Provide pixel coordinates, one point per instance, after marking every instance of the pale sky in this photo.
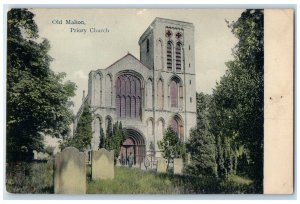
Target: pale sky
(77, 54)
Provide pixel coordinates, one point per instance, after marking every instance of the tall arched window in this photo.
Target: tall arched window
(169, 55)
(109, 96)
(160, 94)
(149, 93)
(174, 93)
(150, 126)
(97, 90)
(160, 55)
(160, 129)
(128, 96)
(177, 126)
(178, 57)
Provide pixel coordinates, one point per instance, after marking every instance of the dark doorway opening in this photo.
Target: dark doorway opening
(134, 143)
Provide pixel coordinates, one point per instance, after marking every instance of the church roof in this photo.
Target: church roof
(128, 55)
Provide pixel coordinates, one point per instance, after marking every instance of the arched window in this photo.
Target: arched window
(160, 55)
(160, 129)
(128, 107)
(178, 57)
(123, 106)
(149, 93)
(169, 55)
(177, 126)
(109, 96)
(174, 94)
(118, 105)
(97, 90)
(128, 96)
(150, 126)
(160, 94)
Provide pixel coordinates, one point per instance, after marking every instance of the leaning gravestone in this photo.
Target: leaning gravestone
(70, 172)
(103, 164)
(178, 166)
(161, 165)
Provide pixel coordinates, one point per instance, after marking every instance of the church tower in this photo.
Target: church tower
(167, 47)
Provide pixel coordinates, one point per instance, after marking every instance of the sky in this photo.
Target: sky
(77, 53)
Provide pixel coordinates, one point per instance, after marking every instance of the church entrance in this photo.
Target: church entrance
(134, 143)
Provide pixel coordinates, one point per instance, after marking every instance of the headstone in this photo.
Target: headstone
(35, 154)
(178, 166)
(161, 165)
(189, 158)
(70, 172)
(103, 164)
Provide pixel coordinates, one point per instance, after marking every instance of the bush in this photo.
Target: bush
(35, 177)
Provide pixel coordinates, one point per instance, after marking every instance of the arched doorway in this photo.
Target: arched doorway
(134, 143)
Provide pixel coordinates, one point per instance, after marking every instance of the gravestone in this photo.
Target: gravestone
(189, 158)
(161, 165)
(70, 172)
(178, 166)
(103, 164)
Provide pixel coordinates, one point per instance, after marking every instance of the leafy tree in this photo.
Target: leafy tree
(171, 146)
(102, 139)
(202, 142)
(109, 136)
(238, 97)
(38, 100)
(115, 137)
(118, 138)
(83, 133)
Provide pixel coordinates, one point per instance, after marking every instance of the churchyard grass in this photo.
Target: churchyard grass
(136, 181)
(37, 177)
(30, 177)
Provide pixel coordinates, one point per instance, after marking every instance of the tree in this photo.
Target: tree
(115, 137)
(83, 134)
(202, 142)
(102, 139)
(109, 136)
(238, 97)
(171, 146)
(38, 100)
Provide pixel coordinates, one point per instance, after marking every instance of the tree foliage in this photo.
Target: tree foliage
(171, 146)
(102, 139)
(114, 139)
(38, 100)
(201, 144)
(229, 132)
(238, 99)
(83, 135)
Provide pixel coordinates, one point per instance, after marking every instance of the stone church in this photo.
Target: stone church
(148, 94)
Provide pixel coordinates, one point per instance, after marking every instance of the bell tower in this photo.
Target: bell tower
(167, 47)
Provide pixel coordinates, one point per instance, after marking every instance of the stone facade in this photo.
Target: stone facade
(149, 94)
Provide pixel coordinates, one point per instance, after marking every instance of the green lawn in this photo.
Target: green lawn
(38, 178)
(136, 181)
